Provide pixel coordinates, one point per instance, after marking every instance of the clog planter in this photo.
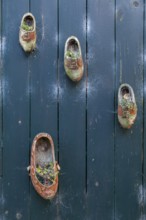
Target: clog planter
(127, 108)
(27, 33)
(44, 169)
(73, 62)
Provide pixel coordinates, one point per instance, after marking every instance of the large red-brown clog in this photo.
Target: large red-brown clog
(44, 169)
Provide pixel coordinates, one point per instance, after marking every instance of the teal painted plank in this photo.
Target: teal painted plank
(15, 115)
(100, 110)
(129, 143)
(72, 116)
(43, 77)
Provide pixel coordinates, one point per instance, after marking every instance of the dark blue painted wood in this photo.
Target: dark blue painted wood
(15, 115)
(1, 149)
(72, 123)
(1, 161)
(100, 110)
(143, 189)
(1, 199)
(129, 54)
(102, 165)
(43, 81)
(1, 60)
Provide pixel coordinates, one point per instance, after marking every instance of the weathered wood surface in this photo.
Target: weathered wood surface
(100, 117)
(129, 143)
(72, 118)
(102, 165)
(43, 92)
(15, 114)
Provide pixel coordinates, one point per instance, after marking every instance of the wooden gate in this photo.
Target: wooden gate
(102, 165)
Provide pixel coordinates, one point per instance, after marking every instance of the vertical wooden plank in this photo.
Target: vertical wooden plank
(43, 76)
(1, 150)
(144, 127)
(129, 54)
(0, 75)
(100, 110)
(72, 117)
(15, 115)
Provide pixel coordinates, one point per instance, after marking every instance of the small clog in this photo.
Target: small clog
(127, 108)
(27, 33)
(73, 62)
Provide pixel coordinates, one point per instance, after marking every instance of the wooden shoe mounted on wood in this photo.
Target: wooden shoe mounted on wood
(44, 169)
(127, 108)
(27, 33)
(73, 62)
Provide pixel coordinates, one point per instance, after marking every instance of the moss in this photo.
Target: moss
(47, 172)
(69, 72)
(127, 104)
(71, 54)
(26, 27)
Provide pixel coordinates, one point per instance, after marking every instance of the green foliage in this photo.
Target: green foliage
(26, 27)
(72, 54)
(69, 72)
(47, 172)
(126, 104)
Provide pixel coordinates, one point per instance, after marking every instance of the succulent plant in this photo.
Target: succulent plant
(46, 172)
(26, 27)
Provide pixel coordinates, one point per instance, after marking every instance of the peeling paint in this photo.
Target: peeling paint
(121, 71)
(89, 26)
(18, 215)
(91, 89)
(19, 122)
(143, 217)
(96, 183)
(43, 29)
(3, 44)
(84, 25)
(117, 216)
(140, 195)
(5, 86)
(54, 91)
(2, 200)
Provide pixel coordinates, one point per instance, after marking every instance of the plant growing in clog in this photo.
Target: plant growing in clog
(127, 108)
(73, 62)
(44, 169)
(27, 33)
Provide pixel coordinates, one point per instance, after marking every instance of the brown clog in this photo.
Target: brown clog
(44, 169)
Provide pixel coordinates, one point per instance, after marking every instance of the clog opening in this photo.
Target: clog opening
(28, 20)
(43, 151)
(28, 23)
(125, 90)
(44, 162)
(73, 49)
(73, 45)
